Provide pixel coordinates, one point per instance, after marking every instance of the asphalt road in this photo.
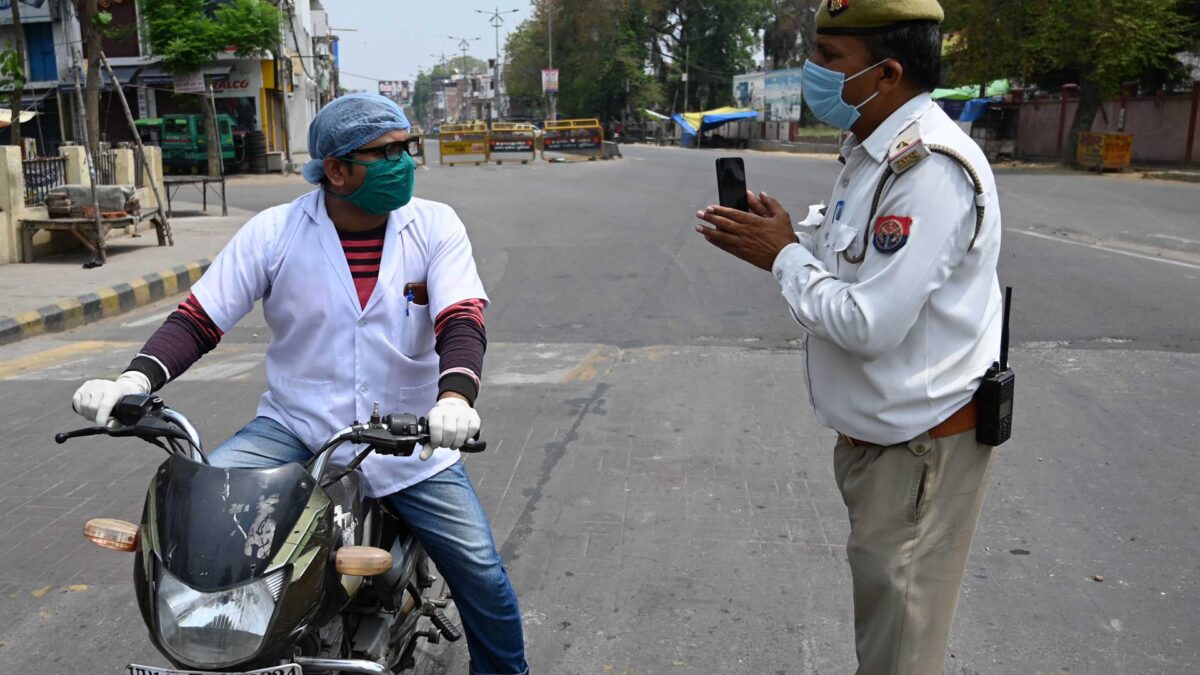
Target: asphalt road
(658, 486)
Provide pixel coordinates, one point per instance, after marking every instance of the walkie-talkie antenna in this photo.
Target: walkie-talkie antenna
(1004, 329)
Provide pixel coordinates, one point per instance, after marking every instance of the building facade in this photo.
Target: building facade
(277, 94)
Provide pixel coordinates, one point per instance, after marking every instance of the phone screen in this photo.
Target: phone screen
(731, 183)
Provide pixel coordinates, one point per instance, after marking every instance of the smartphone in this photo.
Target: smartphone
(731, 183)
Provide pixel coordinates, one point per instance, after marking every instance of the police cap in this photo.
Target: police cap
(864, 17)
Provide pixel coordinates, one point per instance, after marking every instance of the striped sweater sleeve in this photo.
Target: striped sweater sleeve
(186, 335)
(461, 343)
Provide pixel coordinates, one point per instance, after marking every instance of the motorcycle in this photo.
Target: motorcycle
(287, 570)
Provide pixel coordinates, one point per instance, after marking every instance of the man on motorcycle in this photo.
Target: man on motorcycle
(371, 295)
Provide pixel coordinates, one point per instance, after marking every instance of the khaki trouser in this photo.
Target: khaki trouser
(913, 509)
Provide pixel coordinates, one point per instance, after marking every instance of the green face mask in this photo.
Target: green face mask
(387, 187)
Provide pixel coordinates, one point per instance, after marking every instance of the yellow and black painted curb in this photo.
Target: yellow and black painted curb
(71, 313)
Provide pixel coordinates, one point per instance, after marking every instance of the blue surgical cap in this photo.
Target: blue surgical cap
(346, 124)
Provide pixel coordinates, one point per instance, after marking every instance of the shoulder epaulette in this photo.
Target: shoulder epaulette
(907, 149)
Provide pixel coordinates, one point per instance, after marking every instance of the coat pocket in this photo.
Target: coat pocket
(416, 330)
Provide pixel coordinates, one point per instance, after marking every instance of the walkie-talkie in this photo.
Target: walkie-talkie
(994, 400)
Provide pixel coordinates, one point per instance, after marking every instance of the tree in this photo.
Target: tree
(12, 67)
(188, 34)
(1100, 44)
(788, 36)
(711, 41)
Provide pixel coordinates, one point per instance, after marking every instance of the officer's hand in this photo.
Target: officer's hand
(756, 236)
(451, 422)
(95, 398)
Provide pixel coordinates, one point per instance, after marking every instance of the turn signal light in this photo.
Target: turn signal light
(362, 561)
(117, 535)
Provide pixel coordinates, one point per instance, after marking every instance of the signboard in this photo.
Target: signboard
(1101, 151)
(388, 88)
(192, 83)
(31, 11)
(748, 91)
(782, 101)
(550, 80)
(405, 92)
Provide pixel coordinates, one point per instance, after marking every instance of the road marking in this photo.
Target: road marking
(587, 369)
(1181, 240)
(155, 318)
(56, 357)
(1106, 249)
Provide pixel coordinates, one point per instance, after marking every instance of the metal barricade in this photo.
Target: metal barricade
(514, 141)
(573, 140)
(470, 140)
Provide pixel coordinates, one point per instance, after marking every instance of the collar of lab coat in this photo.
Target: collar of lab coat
(880, 140)
(313, 205)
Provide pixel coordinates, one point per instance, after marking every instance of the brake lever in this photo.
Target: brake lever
(65, 436)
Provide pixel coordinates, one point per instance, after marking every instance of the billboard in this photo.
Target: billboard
(31, 11)
(550, 80)
(405, 92)
(775, 94)
(388, 88)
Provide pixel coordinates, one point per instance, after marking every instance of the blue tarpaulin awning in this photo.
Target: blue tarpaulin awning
(708, 120)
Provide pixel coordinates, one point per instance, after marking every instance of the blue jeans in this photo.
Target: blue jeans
(444, 513)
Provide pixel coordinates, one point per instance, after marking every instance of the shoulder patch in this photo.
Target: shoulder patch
(891, 233)
(907, 149)
(838, 6)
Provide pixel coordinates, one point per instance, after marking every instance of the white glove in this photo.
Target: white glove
(96, 398)
(451, 422)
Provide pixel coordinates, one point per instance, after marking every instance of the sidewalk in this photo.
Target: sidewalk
(56, 293)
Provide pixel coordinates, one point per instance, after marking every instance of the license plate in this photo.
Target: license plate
(289, 669)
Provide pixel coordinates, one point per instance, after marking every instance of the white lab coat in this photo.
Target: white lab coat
(330, 359)
(898, 342)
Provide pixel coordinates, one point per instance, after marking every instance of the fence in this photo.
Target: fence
(41, 176)
(106, 167)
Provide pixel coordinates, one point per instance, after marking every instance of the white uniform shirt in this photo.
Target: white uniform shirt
(330, 359)
(900, 341)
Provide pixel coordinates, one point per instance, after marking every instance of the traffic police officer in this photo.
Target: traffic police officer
(894, 282)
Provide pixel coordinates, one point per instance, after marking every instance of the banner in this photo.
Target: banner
(192, 83)
(550, 80)
(774, 94)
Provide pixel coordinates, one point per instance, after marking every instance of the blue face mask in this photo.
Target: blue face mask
(823, 90)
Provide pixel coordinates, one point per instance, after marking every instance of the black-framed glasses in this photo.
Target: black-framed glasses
(392, 151)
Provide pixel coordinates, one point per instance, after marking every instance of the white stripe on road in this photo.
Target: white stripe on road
(1106, 249)
(154, 318)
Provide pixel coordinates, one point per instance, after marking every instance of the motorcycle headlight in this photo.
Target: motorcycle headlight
(212, 629)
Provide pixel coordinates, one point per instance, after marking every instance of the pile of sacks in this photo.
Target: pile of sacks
(75, 201)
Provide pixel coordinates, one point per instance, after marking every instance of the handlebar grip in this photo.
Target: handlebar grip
(473, 446)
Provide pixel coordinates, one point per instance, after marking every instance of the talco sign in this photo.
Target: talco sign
(231, 85)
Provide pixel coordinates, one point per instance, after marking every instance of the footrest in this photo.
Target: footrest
(445, 626)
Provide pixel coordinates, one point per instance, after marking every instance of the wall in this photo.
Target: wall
(1159, 127)
(12, 198)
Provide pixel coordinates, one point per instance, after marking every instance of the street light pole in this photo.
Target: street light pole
(550, 54)
(496, 20)
(464, 44)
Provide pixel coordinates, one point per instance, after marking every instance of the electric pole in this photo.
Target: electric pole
(496, 19)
